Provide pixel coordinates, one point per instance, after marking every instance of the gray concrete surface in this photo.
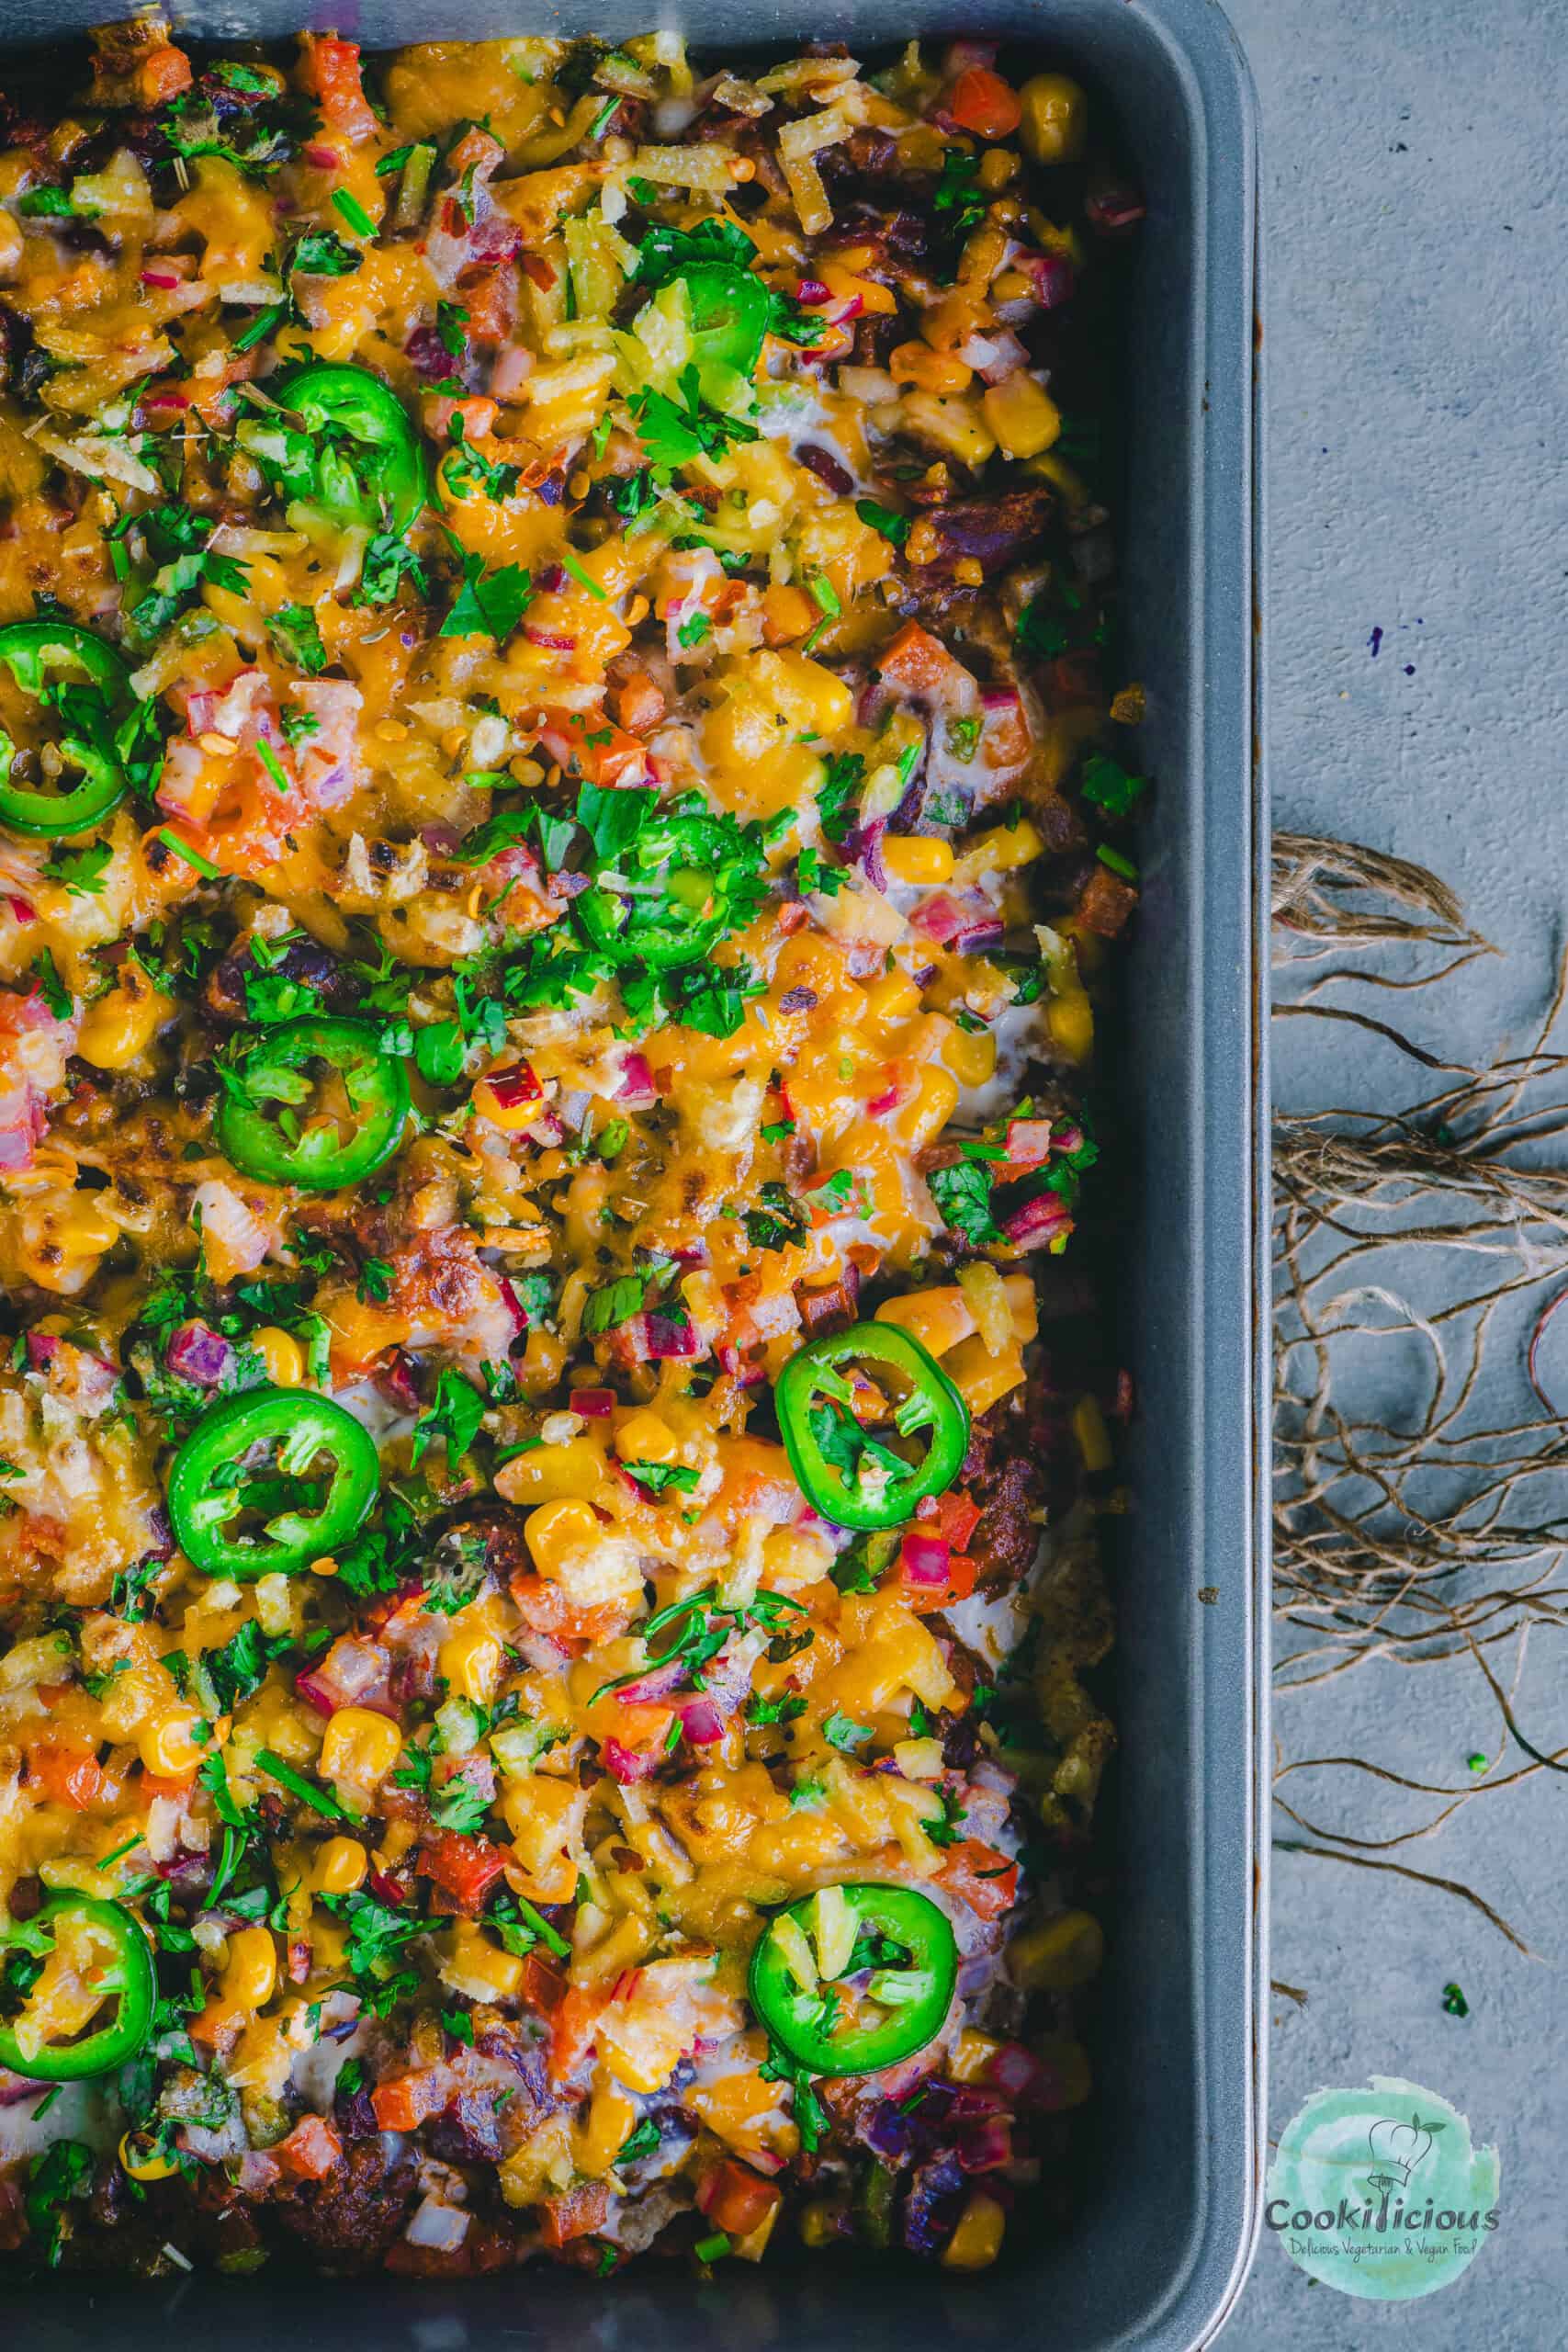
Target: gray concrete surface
(1416, 314)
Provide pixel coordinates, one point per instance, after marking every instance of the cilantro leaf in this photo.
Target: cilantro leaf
(962, 1194)
(1109, 786)
(489, 603)
(455, 1414)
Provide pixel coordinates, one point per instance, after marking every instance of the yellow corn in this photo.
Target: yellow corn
(360, 1747)
(1001, 851)
(922, 1120)
(844, 285)
(820, 2222)
(511, 1117)
(933, 371)
(168, 1745)
(892, 999)
(939, 1317)
(972, 2055)
(644, 1437)
(976, 2242)
(558, 1531)
(1024, 418)
(958, 427)
(119, 1029)
(1094, 1440)
(610, 2122)
(548, 1473)
(479, 1968)
(1056, 116)
(281, 1353)
(1059, 1955)
(472, 1660)
(971, 1056)
(982, 1378)
(139, 2158)
(918, 857)
(341, 1866)
(252, 1970)
(1070, 1019)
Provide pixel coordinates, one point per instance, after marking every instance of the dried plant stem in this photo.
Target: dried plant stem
(1412, 1248)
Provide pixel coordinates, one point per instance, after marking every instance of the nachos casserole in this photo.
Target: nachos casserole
(559, 826)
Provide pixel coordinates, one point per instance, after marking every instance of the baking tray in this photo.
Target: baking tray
(1171, 2193)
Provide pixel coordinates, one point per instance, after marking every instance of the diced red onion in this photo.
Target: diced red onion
(197, 1353)
(322, 159)
(637, 1091)
(735, 1366)
(1051, 277)
(657, 1684)
(923, 1559)
(669, 1341)
(550, 640)
(165, 280)
(1029, 1142)
(626, 1764)
(994, 356)
(552, 580)
(594, 1404)
(511, 1300)
(43, 1348)
(811, 291)
(352, 1674)
(22, 909)
(702, 1722)
(1037, 1222)
(515, 1087)
(987, 2144)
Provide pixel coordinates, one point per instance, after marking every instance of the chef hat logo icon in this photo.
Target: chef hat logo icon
(1398, 2148)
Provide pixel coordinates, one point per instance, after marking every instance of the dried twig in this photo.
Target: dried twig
(1437, 1534)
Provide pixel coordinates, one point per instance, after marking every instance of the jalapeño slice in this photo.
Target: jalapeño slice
(358, 458)
(313, 1102)
(678, 890)
(240, 1512)
(855, 1978)
(844, 1470)
(58, 1972)
(86, 684)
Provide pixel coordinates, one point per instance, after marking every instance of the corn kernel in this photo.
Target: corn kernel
(976, 2242)
(820, 2222)
(1059, 1955)
(972, 2055)
(1001, 851)
(955, 426)
(1094, 1440)
(119, 1029)
(557, 1532)
(1055, 117)
(922, 1120)
(168, 1745)
(981, 1378)
(479, 1968)
(1023, 415)
(341, 1866)
(139, 2156)
(644, 1437)
(938, 1318)
(1070, 1019)
(360, 1747)
(933, 371)
(971, 1056)
(610, 2122)
(281, 1353)
(252, 1971)
(473, 1659)
(892, 999)
(919, 1760)
(917, 858)
(509, 1117)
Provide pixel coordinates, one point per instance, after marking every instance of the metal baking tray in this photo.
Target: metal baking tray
(1170, 2200)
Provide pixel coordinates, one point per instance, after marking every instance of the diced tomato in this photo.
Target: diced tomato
(465, 1867)
(70, 1776)
(544, 1986)
(982, 102)
(981, 1877)
(313, 2150)
(546, 1609)
(953, 1516)
(922, 663)
(162, 75)
(588, 743)
(329, 71)
(408, 2100)
(572, 2029)
(175, 1790)
(734, 2199)
(577, 2214)
(640, 703)
(960, 1584)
